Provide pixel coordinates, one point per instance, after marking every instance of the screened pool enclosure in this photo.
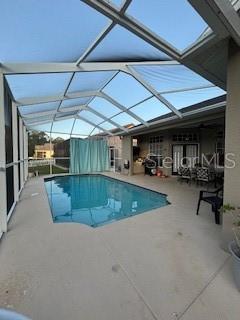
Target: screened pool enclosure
(82, 78)
(85, 68)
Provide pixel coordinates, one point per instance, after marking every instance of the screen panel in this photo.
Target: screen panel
(65, 114)
(170, 77)
(150, 109)
(38, 85)
(184, 99)
(41, 107)
(91, 116)
(97, 131)
(122, 45)
(104, 107)
(69, 103)
(126, 90)
(125, 120)
(108, 126)
(47, 31)
(8, 128)
(10, 187)
(82, 128)
(63, 126)
(45, 127)
(89, 81)
(39, 118)
(175, 21)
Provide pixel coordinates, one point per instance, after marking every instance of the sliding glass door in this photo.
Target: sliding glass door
(184, 154)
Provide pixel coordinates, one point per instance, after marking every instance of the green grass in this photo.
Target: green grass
(43, 170)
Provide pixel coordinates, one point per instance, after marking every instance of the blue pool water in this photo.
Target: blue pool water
(96, 200)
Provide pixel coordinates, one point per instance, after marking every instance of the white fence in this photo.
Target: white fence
(41, 162)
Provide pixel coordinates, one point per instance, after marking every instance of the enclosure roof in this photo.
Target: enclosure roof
(195, 112)
(215, 102)
(79, 68)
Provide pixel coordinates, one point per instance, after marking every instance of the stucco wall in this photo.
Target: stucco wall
(207, 141)
(232, 175)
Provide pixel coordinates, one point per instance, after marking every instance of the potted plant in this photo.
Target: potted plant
(234, 246)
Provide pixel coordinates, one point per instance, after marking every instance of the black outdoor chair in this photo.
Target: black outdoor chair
(215, 199)
(149, 165)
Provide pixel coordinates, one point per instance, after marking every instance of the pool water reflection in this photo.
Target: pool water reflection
(96, 200)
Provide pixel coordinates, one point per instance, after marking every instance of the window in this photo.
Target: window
(156, 149)
(135, 142)
(156, 139)
(185, 137)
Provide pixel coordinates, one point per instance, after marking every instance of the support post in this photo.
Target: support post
(21, 152)
(25, 152)
(50, 143)
(232, 136)
(3, 194)
(127, 155)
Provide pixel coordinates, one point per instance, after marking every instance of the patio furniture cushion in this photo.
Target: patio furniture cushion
(204, 174)
(186, 172)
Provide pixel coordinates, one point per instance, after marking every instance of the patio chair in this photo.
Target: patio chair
(204, 174)
(215, 199)
(179, 172)
(184, 173)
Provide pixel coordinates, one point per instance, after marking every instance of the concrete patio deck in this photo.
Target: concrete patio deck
(164, 264)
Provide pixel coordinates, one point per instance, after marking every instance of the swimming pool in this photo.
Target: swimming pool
(96, 200)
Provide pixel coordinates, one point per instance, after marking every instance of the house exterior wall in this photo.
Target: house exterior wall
(232, 174)
(115, 142)
(207, 138)
(43, 151)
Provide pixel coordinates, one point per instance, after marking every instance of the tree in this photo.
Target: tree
(36, 138)
(58, 139)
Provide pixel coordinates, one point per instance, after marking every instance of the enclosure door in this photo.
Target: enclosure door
(112, 158)
(177, 157)
(115, 160)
